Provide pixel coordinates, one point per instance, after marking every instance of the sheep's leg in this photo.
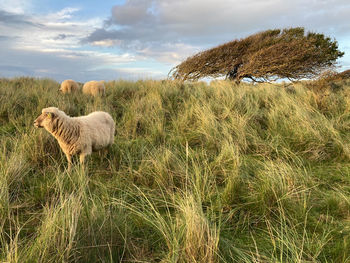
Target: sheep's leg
(82, 158)
(83, 154)
(69, 159)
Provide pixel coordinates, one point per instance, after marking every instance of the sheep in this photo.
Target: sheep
(94, 88)
(78, 135)
(68, 86)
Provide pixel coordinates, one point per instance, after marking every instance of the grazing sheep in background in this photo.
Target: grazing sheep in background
(78, 135)
(94, 88)
(68, 86)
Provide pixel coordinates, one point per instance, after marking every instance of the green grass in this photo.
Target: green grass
(198, 173)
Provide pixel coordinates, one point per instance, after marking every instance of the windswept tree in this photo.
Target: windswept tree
(265, 56)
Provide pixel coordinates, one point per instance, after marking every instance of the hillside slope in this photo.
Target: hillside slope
(198, 173)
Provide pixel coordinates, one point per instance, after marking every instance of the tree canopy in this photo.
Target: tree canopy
(269, 55)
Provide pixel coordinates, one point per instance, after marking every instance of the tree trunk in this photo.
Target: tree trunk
(233, 74)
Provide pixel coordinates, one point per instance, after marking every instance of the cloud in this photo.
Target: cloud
(63, 64)
(16, 6)
(7, 18)
(63, 36)
(65, 13)
(4, 38)
(146, 38)
(134, 13)
(54, 48)
(53, 30)
(11, 71)
(161, 27)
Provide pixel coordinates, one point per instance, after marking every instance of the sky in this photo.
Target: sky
(144, 39)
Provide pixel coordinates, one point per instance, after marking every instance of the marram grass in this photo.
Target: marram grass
(198, 173)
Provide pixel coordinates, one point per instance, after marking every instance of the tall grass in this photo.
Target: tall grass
(198, 173)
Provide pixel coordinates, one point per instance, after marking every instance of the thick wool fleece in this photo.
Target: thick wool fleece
(78, 135)
(68, 86)
(94, 88)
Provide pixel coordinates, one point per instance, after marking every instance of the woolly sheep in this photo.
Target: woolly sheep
(94, 88)
(68, 86)
(78, 135)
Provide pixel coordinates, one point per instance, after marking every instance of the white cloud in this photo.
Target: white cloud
(106, 43)
(170, 53)
(155, 33)
(65, 13)
(50, 45)
(169, 30)
(61, 64)
(42, 31)
(16, 6)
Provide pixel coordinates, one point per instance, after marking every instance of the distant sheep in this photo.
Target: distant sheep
(69, 86)
(78, 135)
(94, 88)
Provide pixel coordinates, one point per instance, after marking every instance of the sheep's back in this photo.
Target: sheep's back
(86, 88)
(94, 87)
(69, 85)
(99, 127)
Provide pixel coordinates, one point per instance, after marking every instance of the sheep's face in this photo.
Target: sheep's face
(63, 90)
(44, 120)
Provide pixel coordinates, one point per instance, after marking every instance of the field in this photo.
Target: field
(198, 173)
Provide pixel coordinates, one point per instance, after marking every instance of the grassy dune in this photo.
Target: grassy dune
(198, 173)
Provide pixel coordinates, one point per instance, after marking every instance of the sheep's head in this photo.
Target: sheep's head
(63, 90)
(46, 117)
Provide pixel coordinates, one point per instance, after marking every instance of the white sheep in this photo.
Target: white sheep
(78, 135)
(68, 86)
(94, 88)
